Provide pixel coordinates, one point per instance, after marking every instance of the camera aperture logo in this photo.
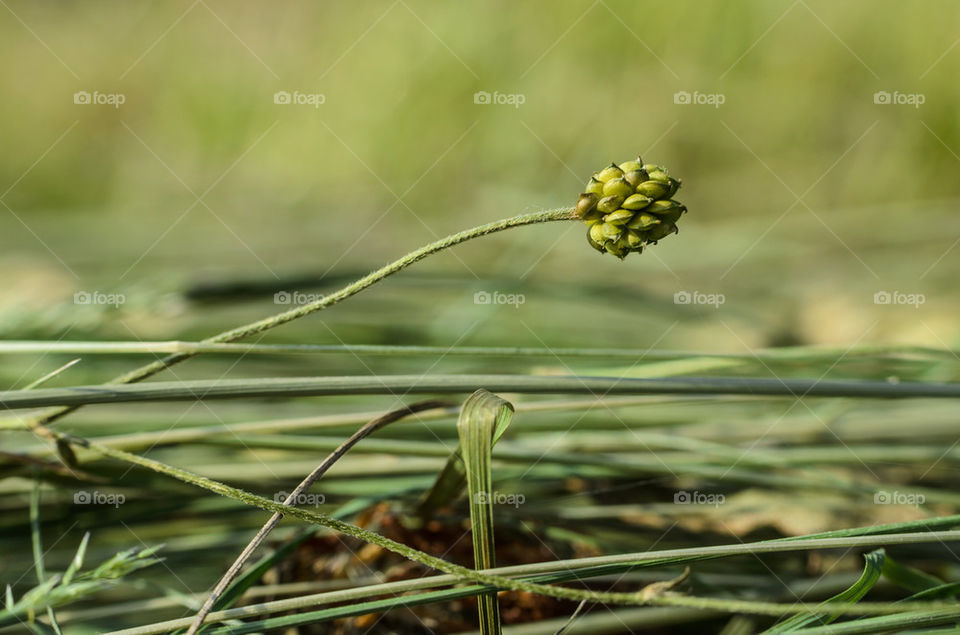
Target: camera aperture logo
(496, 98)
(896, 98)
(98, 297)
(296, 297)
(897, 297)
(684, 497)
(96, 98)
(497, 297)
(296, 98)
(499, 498)
(697, 297)
(84, 497)
(696, 98)
(303, 498)
(883, 497)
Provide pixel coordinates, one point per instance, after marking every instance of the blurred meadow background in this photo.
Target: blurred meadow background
(819, 147)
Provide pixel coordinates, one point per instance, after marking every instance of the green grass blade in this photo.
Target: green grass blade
(483, 420)
(872, 568)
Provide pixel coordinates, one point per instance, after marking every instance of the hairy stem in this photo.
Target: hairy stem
(351, 289)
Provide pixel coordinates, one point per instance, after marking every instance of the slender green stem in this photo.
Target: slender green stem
(786, 354)
(351, 289)
(452, 384)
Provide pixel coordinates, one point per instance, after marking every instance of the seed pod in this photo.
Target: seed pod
(668, 211)
(609, 204)
(619, 217)
(674, 186)
(594, 243)
(586, 204)
(656, 172)
(595, 187)
(643, 221)
(629, 166)
(654, 189)
(612, 172)
(610, 232)
(635, 177)
(635, 202)
(634, 240)
(617, 187)
(618, 250)
(659, 232)
(595, 234)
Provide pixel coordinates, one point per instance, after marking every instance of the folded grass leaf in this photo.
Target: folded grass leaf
(873, 567)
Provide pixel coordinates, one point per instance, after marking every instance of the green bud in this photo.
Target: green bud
(586, 204)
(674, 186)
(635, 177)
(609, 204)
(629, 166)
(617, 187)
(659, 232)
(643, 221)
(656, 172)
(610, 232)
(612, 172)
(618, 250)
(654, 189)
(668, 211)
(593, 243)
(595, 233)
(619, 217)
(634, 240)
(635, 202)
(595, 187)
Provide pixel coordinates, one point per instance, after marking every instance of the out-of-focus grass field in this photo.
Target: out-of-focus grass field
(199, 198)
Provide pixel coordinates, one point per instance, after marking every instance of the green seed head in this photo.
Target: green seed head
(617, 187)
(629, 206)
(609, 204)
(595, 187)
(612, 172)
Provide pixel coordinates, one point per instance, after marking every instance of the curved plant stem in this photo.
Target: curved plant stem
(333, 457)
(651, 595)
(351, 289)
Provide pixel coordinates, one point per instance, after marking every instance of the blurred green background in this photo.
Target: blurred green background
(806, 196)
(199, 198)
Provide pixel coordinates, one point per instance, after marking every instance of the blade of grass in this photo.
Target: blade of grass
(446, 384)
(872, 568)
(484, 418)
